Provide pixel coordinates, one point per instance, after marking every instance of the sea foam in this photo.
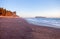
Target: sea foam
(50, 22)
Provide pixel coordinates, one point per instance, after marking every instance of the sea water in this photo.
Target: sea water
(50, 22)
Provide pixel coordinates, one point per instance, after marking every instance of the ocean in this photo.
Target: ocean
(50, 22)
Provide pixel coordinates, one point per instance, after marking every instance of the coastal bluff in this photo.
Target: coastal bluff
(7, 13)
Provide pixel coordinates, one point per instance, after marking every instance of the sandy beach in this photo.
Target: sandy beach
(18, 28)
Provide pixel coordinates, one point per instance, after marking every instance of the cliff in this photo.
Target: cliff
(7, 13)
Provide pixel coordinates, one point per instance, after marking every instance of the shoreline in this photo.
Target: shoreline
(42, 23)
(18, 28)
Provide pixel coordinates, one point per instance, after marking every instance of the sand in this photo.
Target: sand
(18, 28)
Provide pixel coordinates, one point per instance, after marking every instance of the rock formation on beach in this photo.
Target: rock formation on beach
(7, 13)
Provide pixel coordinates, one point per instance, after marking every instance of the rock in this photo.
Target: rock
(6, 13)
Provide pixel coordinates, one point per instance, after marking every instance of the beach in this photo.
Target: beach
(19, 28)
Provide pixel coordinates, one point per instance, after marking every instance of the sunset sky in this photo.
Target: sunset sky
(32, 8)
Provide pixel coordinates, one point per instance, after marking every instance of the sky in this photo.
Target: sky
(32, 8)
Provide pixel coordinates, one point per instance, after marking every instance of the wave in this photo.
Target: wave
(50, 22)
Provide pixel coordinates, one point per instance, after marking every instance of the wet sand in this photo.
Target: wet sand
(18, 28)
